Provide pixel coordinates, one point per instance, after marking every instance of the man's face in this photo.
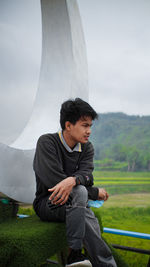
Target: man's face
(80, 132)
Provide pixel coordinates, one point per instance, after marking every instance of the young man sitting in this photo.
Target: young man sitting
(63, 166)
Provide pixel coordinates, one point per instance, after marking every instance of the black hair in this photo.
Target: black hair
(73, 110)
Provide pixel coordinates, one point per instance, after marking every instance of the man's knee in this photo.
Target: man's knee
(80, 195)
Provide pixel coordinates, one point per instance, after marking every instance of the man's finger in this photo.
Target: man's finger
(53, 194)
(51, 189)
(106, 196)
(65, 200)
(60, 200)
(57, 197)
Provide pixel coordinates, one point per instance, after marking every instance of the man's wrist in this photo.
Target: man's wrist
(77, 179)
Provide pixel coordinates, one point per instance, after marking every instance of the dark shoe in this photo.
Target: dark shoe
(75, 258)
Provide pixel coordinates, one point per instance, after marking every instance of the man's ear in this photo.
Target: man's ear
(67, 125)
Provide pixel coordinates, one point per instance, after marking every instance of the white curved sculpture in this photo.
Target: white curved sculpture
(63, 75)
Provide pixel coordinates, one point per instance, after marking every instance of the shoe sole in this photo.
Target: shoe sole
(85, 263)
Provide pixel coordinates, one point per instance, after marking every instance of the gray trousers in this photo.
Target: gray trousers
(82, 227)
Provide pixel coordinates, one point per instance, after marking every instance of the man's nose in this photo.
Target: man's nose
(88, 130)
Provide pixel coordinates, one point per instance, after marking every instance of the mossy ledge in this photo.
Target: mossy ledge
(29, 242)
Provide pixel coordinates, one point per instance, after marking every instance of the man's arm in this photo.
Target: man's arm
(49, 168)
(46, 162)
(84, 174)
(85, 177)
(86, 166)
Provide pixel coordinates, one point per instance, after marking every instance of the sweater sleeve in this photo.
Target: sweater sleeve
(84, 171)
(86, 166)
(92, 192)
(46, 163)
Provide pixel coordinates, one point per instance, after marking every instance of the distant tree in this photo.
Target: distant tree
(133, 158)
(119, 152)
(123, 138)
(147, 161)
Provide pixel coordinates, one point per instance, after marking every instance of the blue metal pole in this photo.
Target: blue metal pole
(126, 233)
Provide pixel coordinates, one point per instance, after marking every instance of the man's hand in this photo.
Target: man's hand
(103, 195)
(61, 191)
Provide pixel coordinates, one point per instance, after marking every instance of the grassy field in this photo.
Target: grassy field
(128, 208)
(128, 200)
(128, 212)
(123, 182)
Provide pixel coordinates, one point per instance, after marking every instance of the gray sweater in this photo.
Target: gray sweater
(53, 163)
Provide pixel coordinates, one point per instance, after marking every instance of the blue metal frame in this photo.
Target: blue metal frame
(126, 233)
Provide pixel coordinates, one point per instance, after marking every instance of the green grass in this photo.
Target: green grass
(123, 182)
(114, 174)
(29, 242)
(132, 219)
(141, 179)
(128, 212)
(128, 200)
(128, 208)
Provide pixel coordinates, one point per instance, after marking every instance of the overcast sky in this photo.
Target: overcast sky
(117, 36)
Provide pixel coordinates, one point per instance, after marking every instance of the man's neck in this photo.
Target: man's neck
(68, 140)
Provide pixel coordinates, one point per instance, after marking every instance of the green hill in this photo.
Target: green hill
(123, 138)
